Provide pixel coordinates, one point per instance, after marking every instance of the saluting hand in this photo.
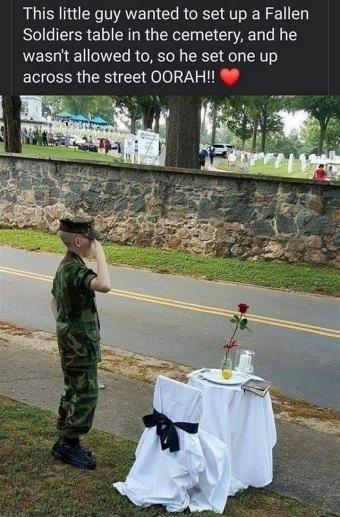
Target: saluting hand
(96, 248)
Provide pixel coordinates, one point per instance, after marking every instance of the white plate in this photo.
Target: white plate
(216, 377)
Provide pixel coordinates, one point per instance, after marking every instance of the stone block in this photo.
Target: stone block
(183, 233)
(336, 239)
(262, 227)
(174, 242)
(313, 241)
(285, 224)
(206, 209)
(315, 204)
(120, 204)
(296, 244)
(71, 198)
(236, 250)
(207, 233)
(315, 257)
(138, 204)
(335, 262)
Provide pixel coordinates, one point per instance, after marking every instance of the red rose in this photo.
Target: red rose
(243, 307)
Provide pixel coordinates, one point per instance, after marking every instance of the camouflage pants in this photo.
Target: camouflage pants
(78, 403)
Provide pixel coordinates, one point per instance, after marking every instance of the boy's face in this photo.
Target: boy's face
(83, 245)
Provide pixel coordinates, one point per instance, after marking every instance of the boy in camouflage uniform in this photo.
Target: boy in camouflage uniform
(75, 310)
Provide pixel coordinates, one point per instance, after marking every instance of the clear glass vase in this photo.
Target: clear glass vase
(227, 367)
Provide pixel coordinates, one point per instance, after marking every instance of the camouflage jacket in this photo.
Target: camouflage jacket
(77, 318)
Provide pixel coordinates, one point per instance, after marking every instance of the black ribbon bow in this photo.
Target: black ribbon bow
(166, 429)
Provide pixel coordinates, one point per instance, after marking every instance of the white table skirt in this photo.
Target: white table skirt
(245, 422)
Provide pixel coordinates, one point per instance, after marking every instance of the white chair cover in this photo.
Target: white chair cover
(198, 475)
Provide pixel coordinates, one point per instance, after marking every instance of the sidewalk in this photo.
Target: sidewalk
(305, 461)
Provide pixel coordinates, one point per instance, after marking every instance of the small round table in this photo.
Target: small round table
(245, 422)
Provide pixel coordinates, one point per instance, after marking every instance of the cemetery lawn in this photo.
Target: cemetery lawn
(33, 483)
(269, 169)
(305, 278)
(66, 153)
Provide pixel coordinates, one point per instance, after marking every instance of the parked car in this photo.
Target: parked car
(83, 145)
(59, 139)
(223, 149)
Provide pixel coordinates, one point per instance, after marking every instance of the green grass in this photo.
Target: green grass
(269, 169)
(268, 274)
(67, 153)
(33, 483)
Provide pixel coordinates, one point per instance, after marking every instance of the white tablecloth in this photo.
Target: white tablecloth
(245, 422)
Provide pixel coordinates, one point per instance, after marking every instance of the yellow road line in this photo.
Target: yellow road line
(169, 302)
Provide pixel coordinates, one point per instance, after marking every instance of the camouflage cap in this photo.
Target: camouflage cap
(82, 225)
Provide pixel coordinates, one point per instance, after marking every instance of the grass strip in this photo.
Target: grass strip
(33, 483)
(309, 279)
(66, 153)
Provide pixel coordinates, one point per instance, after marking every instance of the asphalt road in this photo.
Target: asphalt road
(295, 336)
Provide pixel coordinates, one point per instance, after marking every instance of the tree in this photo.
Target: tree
(146, 107)
(323, 108)
(310, 135)
(216, 114)
(51, 104)
(161, 107)
(184, 131)
(269, 119)
(131, 105)
(94, 105)
(239, 118)
(11, 106)
(279, 143)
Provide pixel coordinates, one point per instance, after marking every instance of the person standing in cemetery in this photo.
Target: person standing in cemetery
(320, 174)
(245, 163)
(107, 146)
(231, 158)
(44, 138)
(211, 154)
(77, 325)
(102, 142)
(201, 157)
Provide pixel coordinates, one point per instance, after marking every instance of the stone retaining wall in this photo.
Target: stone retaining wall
(222, 214)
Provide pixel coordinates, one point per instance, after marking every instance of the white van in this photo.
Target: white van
(223, 149)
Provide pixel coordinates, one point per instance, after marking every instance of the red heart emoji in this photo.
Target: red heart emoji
(229, 77)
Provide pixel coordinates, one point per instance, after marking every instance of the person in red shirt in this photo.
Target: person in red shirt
(320, 174)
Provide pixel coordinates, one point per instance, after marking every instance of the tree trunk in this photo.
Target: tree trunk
(244, 132)
(133, 125)
(323, 129)
(148, 116)
(184, 132)
(264, 132)
(214, 124)
(256, 123)
(263, 143)
(205, 106)
(166, 118)
(11, 105)
(157, 118)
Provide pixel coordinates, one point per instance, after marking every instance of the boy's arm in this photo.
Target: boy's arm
(54, 307)
(102, 282)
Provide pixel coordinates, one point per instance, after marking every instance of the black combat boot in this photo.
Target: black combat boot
(73, 442)
(71, 452)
